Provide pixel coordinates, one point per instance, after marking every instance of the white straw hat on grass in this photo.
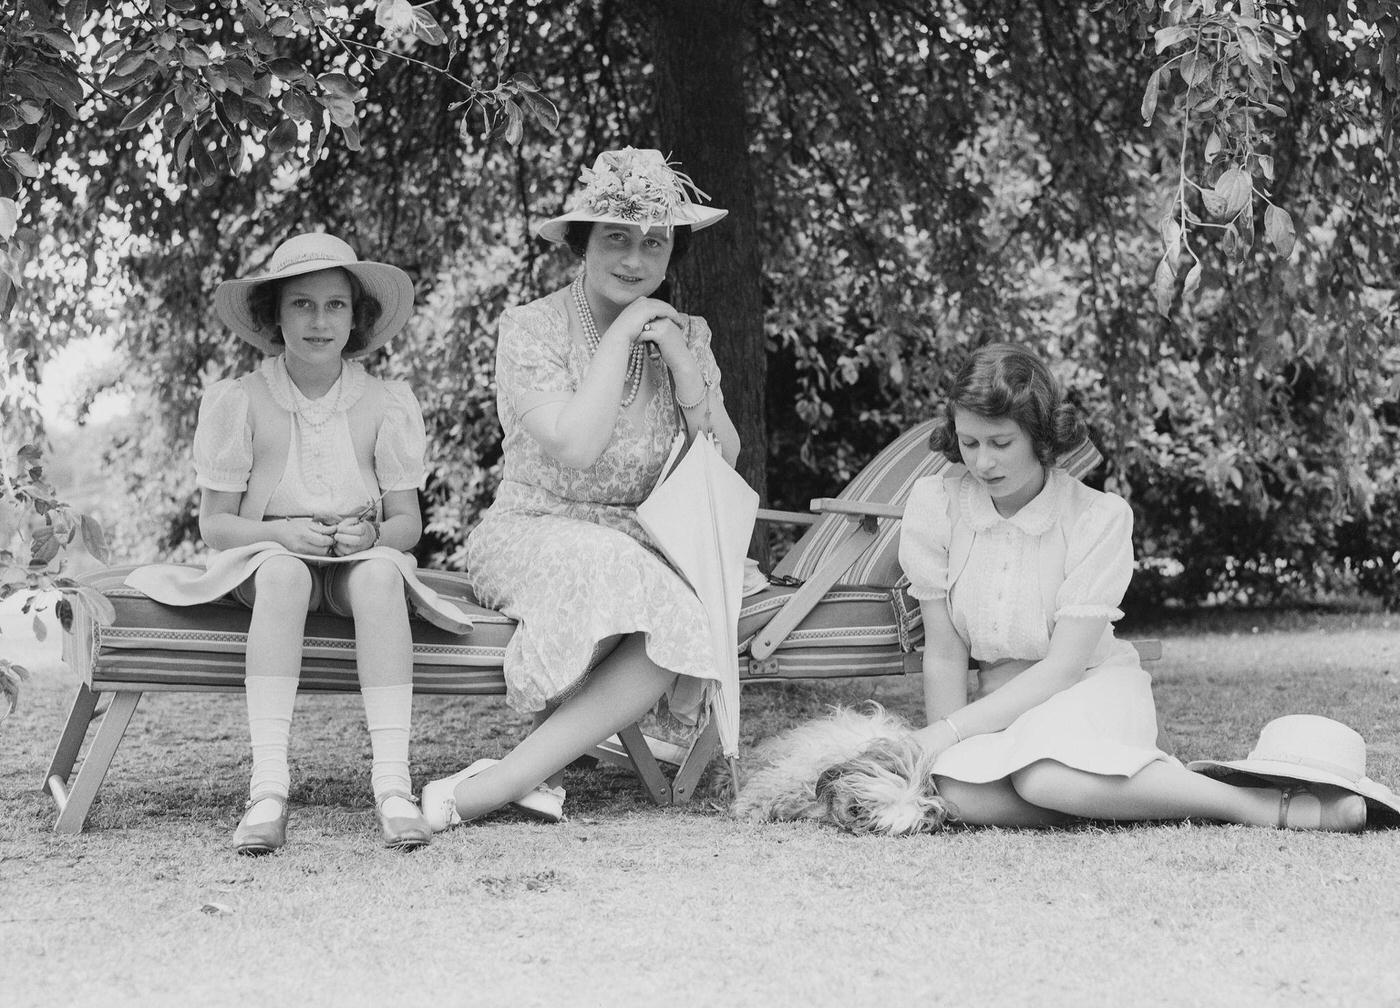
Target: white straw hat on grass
(631, 186)
(1309, 749)
(311, 253)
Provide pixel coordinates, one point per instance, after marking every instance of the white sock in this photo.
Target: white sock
(388, 711)
(271, 700)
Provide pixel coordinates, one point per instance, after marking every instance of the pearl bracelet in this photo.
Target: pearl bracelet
(956, 734)
(704, 394)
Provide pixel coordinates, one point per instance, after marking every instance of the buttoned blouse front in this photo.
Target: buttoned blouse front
(997, 600)
(321, 474)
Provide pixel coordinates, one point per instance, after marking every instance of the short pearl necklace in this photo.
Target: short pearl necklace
(636, 357)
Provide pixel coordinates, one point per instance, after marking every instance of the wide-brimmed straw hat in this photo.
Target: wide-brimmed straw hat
(631, 186)
(311, 253)
(1310, 749)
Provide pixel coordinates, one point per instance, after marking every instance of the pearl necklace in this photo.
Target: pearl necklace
(632, 380)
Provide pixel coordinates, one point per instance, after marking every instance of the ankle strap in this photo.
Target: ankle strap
(395, 793)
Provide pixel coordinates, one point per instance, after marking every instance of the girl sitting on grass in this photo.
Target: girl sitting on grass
(1021, 568)
(308, 471)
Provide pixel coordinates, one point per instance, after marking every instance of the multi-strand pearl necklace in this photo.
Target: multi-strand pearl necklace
(636, 358)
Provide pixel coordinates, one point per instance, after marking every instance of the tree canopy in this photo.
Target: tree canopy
(1189, 207)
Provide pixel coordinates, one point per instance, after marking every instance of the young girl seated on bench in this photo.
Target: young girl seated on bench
(308, 471)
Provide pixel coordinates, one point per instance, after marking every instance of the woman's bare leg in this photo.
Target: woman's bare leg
(622, 688)
(537, 719)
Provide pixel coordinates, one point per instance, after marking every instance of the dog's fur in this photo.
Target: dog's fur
(862, 772)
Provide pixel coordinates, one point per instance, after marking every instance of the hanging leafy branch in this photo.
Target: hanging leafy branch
(1220, 83)
(217, 85)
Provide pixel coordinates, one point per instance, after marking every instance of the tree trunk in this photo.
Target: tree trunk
(700, 49)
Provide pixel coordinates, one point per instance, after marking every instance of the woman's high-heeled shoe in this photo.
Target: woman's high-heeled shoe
(543, 802)
(439, 805)
(1342, 813)
(404, 833)
(254, 839)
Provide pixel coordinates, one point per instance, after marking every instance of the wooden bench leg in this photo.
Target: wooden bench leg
(75, 803)
(702, 750)
(70, 743)
(645, 765)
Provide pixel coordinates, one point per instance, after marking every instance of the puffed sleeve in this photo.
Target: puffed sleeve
(532, 354)
(402, 443)
(223, 438)
(697, 337)
(924, 535)
(1098, 562)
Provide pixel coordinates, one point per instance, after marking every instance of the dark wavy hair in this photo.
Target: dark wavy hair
(1002, 380)
(577, 233)
(365, 309)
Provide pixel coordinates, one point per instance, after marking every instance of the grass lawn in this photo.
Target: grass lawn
(627, 904)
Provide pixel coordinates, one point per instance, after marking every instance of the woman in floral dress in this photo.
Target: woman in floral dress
(590, 382)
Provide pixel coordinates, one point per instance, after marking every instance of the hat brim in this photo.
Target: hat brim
(1383, 804)
(691, 215)
(387, 284)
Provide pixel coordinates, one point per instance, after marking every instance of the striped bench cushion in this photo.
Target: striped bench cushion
(203, 646)
(888, 479)
(854, 631)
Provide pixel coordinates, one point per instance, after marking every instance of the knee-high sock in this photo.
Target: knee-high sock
(271, 700)
(388, 710)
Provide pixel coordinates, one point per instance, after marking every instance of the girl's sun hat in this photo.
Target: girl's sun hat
(1309, 749)
(631, 186)
(311, 253)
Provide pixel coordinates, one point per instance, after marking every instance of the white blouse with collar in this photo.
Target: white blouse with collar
(321, 474)
(997, 605)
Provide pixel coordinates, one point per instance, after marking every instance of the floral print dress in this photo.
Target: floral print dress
(561, 550)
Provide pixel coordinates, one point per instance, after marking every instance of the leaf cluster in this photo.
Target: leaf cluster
(206, 89)
(36, 528)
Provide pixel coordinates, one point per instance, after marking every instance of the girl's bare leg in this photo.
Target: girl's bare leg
(622, 688)
(283, 591)
(995, 804)
(1164, 790)
(384, 658)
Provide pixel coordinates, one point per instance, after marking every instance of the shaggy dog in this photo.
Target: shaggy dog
(862, 772)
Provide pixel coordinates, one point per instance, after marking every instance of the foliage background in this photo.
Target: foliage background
(927, 176)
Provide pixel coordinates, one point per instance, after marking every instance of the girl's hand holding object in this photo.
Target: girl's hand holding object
(356, 532)
(313, 536)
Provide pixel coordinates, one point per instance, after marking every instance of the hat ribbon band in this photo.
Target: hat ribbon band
(1303, 759)
(309, 257)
